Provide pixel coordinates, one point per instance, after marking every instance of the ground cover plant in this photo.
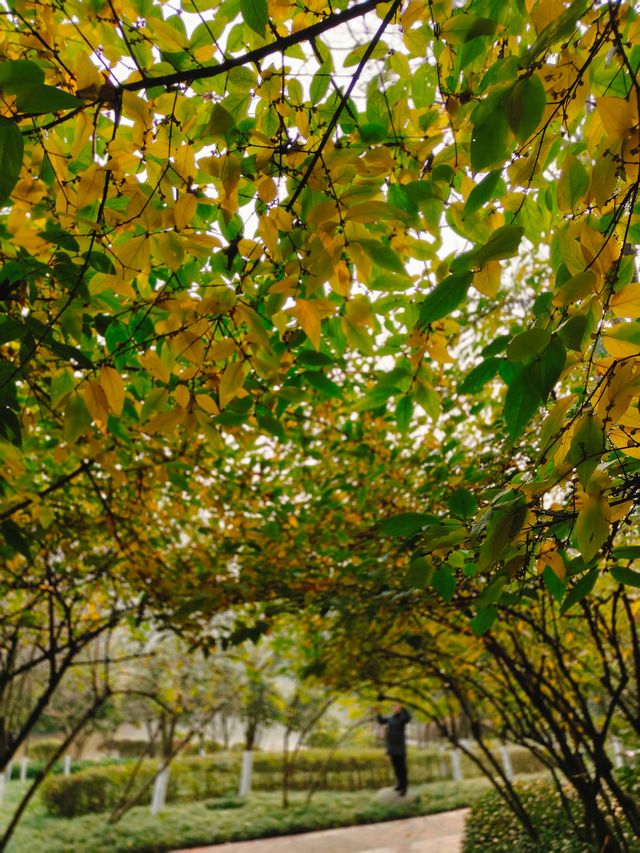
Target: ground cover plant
(216, 821)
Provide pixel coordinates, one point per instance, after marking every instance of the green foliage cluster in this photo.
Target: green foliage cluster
(184, 825)
(43, 749)
(98, 789)
(493, 825)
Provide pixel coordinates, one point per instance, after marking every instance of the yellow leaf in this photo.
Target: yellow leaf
(269, 233)
(370, 211)
(164, 35)
(620, 511)
(113, 387)
(169, 248)
(207, 403)
(340, 280)
(231, 383)
(165, 421)
(617, 115)
(267, 190)
(309, 313)
(282, 219)
(620, 349)
(358, 310)
(555, 563)
(134, 255)
(182, 396)
(96, 401)
(487, 279)
(154, 365)
(134, 107)
(625, 442)
(592, 526)
(626, 303)
(545, 12)
(184, 210)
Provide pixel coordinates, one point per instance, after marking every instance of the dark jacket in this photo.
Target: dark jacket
(395, 723)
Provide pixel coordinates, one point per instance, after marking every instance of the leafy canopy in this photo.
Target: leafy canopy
(218, 217)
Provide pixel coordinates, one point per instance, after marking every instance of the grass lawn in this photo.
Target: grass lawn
(216, 821)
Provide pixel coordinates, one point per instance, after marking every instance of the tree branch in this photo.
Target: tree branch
(278, 46)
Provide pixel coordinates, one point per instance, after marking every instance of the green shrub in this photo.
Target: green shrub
(100, 789)
(198, 778)
(42, 750)
(492, 825)
(126, 747)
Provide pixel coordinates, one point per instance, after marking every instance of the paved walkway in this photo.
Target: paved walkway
(440, 833)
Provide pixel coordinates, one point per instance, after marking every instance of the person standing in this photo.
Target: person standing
(396, 742)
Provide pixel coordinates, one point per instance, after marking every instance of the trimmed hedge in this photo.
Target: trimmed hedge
(492, 825)
(99, 789)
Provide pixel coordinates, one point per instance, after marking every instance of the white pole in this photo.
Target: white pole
(618, 753)
(159, 791)
(66, 766)
(9, 771)
(2, 787)
(507, 766)
(245, 776)
(456, 769)
(24, 763)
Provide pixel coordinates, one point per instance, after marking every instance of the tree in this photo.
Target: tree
(421, 252)
(557, 683)
(195, 242)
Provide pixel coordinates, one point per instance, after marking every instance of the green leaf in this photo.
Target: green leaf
(462, 28)
(11, 330)
(463, 503)
(587, 446)
(504, 525)
(627, 552)
(493, 592)
(11, 151)
(528, 344)
(444, 581)
(220, 121)
(503, 243)
(18, 74)
(553, 583)
(573, 333)
(445, 297)
(405, 524)
(14, 537)
(76, 418)
(383, 256)
(552, 362)
(483, 620)
(46, 99)
(490, 141)
(374, 399)
(269, 424)
(322, 383)
(320, 83)
(572, 183)
(522, 400)
(482, 192)
(404, 413)
(255, 14)
(575, 288)
(419, 572)
(314, 359)
(592, 526)
(581, 589)
(479, 376)
(628, 577)
(525, 107)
